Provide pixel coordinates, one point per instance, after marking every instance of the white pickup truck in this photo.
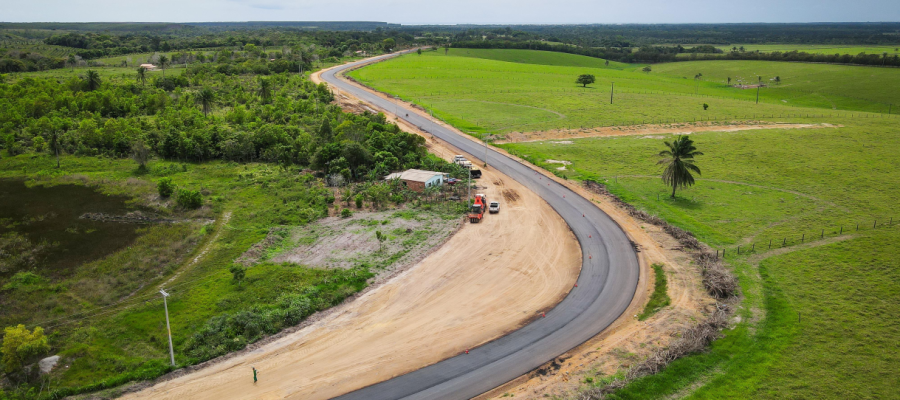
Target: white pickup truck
(494, 207)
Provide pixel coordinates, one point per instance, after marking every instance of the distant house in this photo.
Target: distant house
(148, 66)
(417, 180)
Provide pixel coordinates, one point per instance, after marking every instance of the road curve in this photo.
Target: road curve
(606, 285)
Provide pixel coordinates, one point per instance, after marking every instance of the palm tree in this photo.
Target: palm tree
(92, 80)
(72, 61)
(206, 97)
(142, 75)
(163, 63)
(265, 89)
(679, 161)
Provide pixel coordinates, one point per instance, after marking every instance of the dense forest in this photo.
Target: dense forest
(20, 43)
(229, 109)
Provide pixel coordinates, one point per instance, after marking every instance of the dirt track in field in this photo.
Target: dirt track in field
(656, 129)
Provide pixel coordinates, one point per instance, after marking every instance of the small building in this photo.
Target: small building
(417, 180)
(148, 66)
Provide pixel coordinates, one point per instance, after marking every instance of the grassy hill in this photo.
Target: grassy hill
(816, 320)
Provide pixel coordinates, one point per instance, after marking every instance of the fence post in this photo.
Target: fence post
(857, 227)
(753, 247)
(842, 230)
(874, 223)
(803, 238)
(739, 250)
(784, 242)
(770, 243)
(823, 234)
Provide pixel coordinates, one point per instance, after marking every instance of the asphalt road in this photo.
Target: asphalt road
(606, 285)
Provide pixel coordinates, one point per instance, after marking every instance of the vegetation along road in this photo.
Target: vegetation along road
(605, 287)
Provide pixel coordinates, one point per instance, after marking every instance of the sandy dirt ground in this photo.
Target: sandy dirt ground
(488, 279)
(681, 128)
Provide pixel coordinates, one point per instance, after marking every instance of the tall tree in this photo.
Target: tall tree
(163, 63)
(265, 89)
(142, 75)
(92, 80)
(206, 97)
(679, 162)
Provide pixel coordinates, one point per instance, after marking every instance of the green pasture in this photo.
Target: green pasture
(535, 57)
(815, 48)
(816, 319)
(771, 186)
(485, 95)
(841, 87)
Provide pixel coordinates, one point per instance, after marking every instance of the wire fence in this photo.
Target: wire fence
(802, 238)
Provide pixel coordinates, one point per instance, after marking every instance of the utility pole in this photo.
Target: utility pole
(484, 138)
(611, 90)
(469, 196)
(168, 328)
(757, 94)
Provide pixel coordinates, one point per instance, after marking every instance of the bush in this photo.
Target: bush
(165, 187)
(346, 213)
(189, 199)
(359, 201)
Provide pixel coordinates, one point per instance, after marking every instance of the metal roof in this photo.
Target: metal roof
(415, 175)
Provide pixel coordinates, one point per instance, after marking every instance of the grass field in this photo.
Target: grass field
(480, 95)
(816, 48)
(816, 320)
(826, 86)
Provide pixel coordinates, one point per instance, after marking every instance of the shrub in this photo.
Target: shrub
(189, 199)
(705, 106)
(359, 201)
(165, 187)
(346, 213)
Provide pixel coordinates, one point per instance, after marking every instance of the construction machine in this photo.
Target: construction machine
(477, 211)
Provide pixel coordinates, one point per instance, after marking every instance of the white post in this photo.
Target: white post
(168, 328)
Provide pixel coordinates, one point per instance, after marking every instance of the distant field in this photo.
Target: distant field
(536, 57)
(816, 48)
(817, 85)
(481, 94)
(817, 317)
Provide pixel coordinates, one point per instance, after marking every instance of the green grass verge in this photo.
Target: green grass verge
(659, 298)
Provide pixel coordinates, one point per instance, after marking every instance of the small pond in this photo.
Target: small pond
(40, 227)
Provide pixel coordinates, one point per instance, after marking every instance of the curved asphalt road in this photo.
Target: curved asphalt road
(606, 285)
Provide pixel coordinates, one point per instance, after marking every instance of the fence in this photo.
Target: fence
(787, 241)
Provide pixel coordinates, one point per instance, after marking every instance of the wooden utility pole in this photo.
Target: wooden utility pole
(612, 89)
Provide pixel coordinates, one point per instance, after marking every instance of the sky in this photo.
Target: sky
(413, 12)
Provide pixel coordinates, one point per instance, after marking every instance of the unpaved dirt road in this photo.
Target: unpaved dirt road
(487, 280)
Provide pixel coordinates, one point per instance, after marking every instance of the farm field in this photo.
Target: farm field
(816, 320)
(815, 48)
(840, 87)
(480, 95)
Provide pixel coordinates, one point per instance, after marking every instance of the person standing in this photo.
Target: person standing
(254, 374)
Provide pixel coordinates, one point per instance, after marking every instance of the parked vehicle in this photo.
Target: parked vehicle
(476, 173)
(477, 211)
(452, 181)
(494, 207)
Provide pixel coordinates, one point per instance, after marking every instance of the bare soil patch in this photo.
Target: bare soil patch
(651, 129)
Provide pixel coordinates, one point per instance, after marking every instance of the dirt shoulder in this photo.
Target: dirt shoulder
(652, 129)
(628, 339)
